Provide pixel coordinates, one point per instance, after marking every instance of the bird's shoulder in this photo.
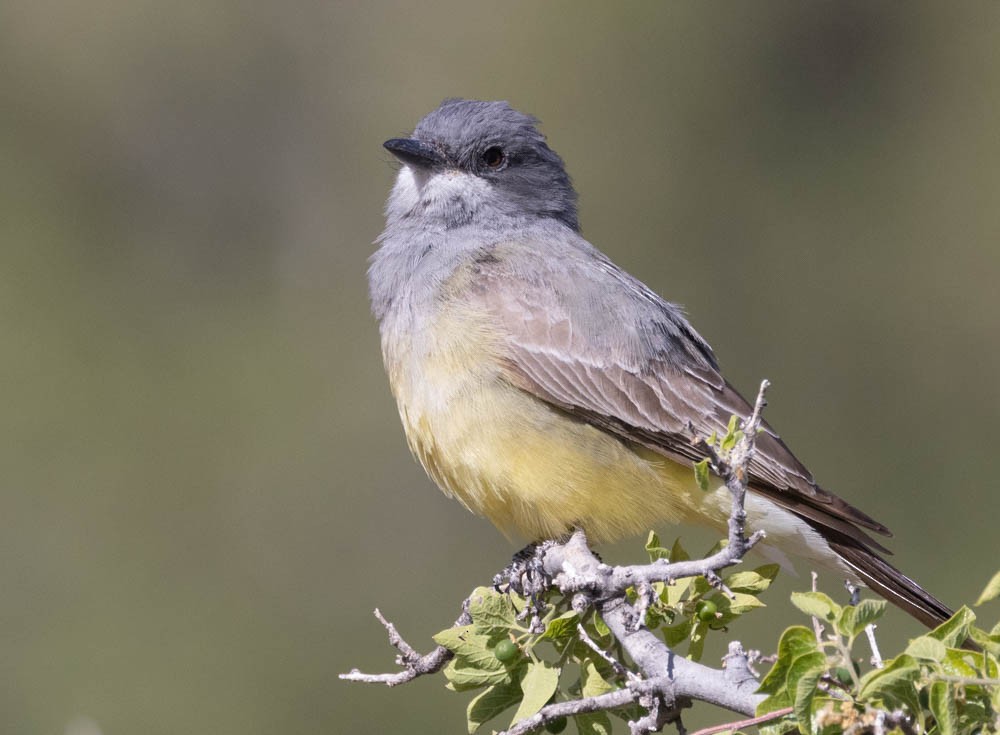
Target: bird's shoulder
(551, 289)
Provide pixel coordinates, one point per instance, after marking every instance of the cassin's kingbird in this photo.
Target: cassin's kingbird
(544, 387)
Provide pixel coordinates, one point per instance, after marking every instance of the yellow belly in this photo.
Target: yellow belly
(532, 469)
(528, 467)
(536, 471)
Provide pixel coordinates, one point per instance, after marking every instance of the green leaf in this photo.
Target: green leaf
(975, 713)
(697, 646)
(987, 664)
(955, 662)
(895, 684)
(490, 703)
(592, 681)
(603, 631)
(653, 548)
(700, 586)
(731, 440)
(538, 686)
(817, 605)
(674, 592)
(716, 548)
(732, 427)
(462, 678)
(803, 676)
(738, 604)
(655, 614)
(954, 631)
(475, 664)
(795, 641)
(674, 634)
(769, 571)
(989, 642)
(926, 647)
(991, 591)
(678, 553)
(853, 619)
(782, 725)
(593, 723)
(474, 648)
(456, 638)
(774, 703)
(701, 474)
(749, 582)
(492, 612)
(942, 705)
(561, 629)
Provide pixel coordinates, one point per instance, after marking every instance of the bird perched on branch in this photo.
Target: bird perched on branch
(544, 387)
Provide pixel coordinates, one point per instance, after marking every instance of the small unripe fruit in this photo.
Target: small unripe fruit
(506, 651)
(706, 611)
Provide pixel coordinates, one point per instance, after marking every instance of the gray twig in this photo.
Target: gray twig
(413, 663)
(612, 662)
(556, 710)
(855, 593)
(876, 654)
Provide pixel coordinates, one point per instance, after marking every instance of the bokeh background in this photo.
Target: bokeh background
(205, 489)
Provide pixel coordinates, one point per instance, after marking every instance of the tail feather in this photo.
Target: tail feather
(892, 584)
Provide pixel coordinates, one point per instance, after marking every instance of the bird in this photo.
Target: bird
(545, 388)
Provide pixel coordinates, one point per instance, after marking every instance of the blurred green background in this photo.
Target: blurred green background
(205, 485)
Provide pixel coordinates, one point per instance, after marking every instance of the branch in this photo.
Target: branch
(556, 710)
(740, 724)
(666, 682)
(733, 687)
(413, 663)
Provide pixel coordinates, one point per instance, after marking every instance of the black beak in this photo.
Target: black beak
(415, 152)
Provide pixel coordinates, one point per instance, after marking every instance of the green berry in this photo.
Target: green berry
(506, 651)
(706, 611)
(556, 726)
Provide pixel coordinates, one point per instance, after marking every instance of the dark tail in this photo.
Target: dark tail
(892, 584)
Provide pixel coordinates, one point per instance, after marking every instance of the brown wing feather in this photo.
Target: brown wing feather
(635, 407)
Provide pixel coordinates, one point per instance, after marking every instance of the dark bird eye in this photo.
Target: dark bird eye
(494, 157)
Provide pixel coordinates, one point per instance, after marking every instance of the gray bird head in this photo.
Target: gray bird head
(471, 161)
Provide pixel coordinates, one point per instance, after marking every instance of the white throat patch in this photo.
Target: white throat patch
(450, 196)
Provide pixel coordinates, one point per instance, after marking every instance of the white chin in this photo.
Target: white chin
(447, 194)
